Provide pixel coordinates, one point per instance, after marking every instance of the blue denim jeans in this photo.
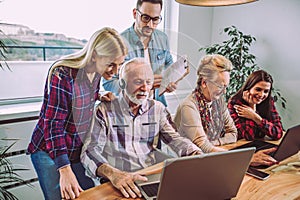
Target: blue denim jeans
(48, 175)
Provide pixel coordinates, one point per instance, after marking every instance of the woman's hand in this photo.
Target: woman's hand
(69, 186)
(248, 97)
(247, 112)
(262, 157)
(219, 149)
(109, 96)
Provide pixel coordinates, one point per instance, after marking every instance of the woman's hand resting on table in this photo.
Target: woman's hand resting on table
(262, 157)
(69, 186)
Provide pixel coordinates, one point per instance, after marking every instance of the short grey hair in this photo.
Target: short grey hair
(125, 67)
(211, 65)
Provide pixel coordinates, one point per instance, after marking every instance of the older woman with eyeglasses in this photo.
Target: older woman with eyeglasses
(203, 116)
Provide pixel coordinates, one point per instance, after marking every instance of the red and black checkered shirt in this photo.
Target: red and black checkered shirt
(249, 130)
(65, 115)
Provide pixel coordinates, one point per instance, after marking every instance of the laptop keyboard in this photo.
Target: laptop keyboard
(151, 189)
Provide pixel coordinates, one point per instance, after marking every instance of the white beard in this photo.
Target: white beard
(135, 100)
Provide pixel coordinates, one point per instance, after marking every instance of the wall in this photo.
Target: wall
(194, 32)
(186, 38)
(275, 25)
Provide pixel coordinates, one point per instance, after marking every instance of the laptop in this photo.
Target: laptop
(289, 145)
(209, 176)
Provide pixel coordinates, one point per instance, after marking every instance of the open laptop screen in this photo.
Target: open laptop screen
(208, 176)
(289, 145)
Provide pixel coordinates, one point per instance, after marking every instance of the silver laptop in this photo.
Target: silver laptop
(208, 176)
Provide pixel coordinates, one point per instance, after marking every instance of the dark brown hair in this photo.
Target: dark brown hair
(264, 107)
(140, 2)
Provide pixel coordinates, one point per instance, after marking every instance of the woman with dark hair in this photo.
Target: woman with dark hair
(253, 110)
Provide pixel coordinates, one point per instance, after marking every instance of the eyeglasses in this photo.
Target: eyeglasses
(220, 87)
(146, 18)
(140, 82)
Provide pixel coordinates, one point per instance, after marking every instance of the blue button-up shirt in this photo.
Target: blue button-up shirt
(159, 53)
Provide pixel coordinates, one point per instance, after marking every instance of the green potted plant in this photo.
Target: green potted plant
(8, 174)
(3, 50)
(236, 49)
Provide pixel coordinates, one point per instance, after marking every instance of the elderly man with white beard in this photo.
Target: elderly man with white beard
(123, 132)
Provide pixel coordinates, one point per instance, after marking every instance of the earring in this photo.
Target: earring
(204, 84)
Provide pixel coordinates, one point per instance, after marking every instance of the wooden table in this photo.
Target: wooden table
(283, 184)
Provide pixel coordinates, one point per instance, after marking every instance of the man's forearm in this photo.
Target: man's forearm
(105, 170)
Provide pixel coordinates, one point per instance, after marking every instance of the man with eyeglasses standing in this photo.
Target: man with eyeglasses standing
(146, 41)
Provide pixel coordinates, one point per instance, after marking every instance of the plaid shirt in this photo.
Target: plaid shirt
(65, 115)
(126, 142)
(249, 130)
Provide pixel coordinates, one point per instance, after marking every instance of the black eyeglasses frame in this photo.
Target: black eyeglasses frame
(146, 18)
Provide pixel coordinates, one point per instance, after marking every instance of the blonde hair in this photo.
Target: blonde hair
(211, 65)
(104, 42)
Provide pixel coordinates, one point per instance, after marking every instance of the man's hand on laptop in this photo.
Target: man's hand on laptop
(262, 157)
(123, 181)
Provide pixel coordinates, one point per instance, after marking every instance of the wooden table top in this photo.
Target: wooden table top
(283, 183)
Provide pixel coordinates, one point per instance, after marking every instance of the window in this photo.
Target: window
(75, 19)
